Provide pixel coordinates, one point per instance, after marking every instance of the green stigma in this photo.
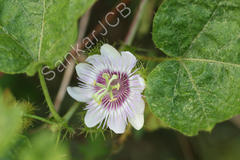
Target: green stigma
(106, 89)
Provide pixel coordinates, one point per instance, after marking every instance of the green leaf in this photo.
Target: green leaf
(10, 121)
(199, 85)
(37, 32)
(43, 146)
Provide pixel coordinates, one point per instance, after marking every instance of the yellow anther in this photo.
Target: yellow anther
(99, 102)
(112, 100)
(117, 86)
(105, 76)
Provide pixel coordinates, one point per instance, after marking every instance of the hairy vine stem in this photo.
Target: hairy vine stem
(48, 98)
(38, 118)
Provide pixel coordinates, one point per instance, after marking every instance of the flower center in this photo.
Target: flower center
(106, 89)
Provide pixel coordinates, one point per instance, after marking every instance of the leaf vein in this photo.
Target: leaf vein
(42, 30)
(195, 88)
(14, 39)
(210, 61)
(175, 86)
(201, 31)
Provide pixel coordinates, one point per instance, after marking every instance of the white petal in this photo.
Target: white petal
(137, 83)
(93, 59)
(110, 52)
(141, 81)
(116, 122)
(129, 61)
(86, 73)
(93, 117)
(136, 103)
(80, 94)
(99, 62)
(137, 121)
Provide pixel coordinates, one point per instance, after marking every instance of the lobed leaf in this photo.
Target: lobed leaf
(199, 85)
(37, 32)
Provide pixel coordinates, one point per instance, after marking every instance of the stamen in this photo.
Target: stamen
(106, 77)
(112, 100)
(99, 85)
(106, 89)
(111, 80)
(98, 96)
(111, 95)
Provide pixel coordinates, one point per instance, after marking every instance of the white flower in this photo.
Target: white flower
(111, 90)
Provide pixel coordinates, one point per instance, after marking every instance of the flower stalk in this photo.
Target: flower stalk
(70, 112)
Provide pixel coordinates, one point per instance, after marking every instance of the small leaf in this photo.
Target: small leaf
(35, 33)
(199, 85)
